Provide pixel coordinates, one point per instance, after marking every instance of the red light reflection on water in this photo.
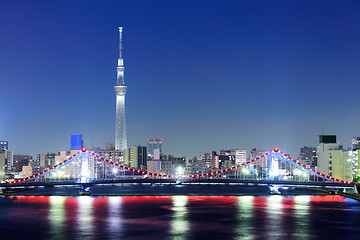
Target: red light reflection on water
(218, 212)
(288, 205)
(260, 202)
(146, 215)
(35, 199)
(259, 214)
(327, 198)
(28, 214)
(71, 208)
(148, 199)
(100, 214)
(100, 206)
(214, 199)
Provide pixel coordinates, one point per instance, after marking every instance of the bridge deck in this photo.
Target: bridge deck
(175, 181)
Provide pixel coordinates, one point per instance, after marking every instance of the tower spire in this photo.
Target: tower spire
(120, 91)
(120, 41)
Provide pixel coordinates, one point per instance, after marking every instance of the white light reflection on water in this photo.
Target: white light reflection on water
(302, 205)
(114, 218)
(274, 216)
(245, 229)
(179, 223)
(85, 217)
(57, 217)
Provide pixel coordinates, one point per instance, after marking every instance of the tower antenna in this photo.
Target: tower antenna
(120, 41)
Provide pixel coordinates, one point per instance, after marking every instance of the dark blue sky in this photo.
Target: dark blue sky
(203, 75)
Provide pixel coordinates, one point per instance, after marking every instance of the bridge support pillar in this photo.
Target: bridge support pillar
(85, 169)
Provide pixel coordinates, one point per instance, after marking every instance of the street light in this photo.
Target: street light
(180, 171)
(114, 172)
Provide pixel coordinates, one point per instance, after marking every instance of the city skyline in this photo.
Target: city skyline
(255, 75)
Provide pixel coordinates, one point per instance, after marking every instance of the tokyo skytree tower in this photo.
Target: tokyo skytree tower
(120, 91)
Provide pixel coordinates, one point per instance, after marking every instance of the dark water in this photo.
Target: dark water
(179, 217)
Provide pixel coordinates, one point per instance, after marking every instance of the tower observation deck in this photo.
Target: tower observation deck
(120, 91)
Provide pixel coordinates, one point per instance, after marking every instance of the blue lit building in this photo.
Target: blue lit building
(76, 142)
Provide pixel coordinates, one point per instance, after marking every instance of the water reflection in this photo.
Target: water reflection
(179, 217)
(274, 216)
(302, 217)
(57, 217)
(115, 219)
(245, 228)
(179, 221)
(85, 217)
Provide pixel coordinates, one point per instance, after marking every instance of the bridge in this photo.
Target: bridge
(273, 169)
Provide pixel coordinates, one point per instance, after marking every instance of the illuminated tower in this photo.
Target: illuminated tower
(120, 91)
(154, 143)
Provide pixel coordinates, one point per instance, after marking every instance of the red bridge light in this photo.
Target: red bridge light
(83, 149)
(276, 150)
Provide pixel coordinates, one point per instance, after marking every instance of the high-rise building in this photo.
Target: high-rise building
(332, 159)
(238, 155)
(169, 165)
(355, 143)
(154, 143)
(20, 161)
(328, 151)
(110, 146)
(9, 158)
(4, 145)
(76, 142)
(206, 160)
(195, 166)
(2, 164)
(113, 155)
(255, 153)
(120, 91)
(308, 156)
(27, 171)
(153, 164)
(226, 161)
(214, 160)
(354, 155)
(353, 159)
(136, 157)
(45, 160)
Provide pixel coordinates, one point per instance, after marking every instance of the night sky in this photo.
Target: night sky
(202, 75)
